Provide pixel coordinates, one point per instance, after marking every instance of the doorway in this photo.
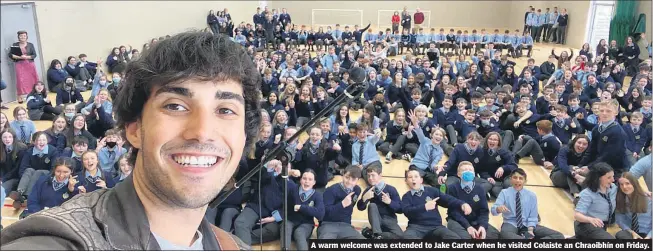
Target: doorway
(16, 17)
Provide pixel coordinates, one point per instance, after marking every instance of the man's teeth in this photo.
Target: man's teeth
(205, 161)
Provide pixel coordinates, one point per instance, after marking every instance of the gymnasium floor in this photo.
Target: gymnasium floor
(554, 205)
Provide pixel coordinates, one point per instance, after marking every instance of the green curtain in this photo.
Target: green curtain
(640, 25)
(623, 21)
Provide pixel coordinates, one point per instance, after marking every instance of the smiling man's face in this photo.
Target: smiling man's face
(191, 137)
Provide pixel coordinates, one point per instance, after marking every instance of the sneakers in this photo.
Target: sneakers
(367, 233)
(388, 158)
(407, 157)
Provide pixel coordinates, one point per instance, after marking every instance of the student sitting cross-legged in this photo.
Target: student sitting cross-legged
(633, 210)
(382, 202)
(496, 164)
(306, 204)
(543, 149)
(420, 206)
(474, 225)
(470, 151)
(248, 225)
(429, 153)
(53, 190)
(567, 174)
(519, 208)
(338, 207)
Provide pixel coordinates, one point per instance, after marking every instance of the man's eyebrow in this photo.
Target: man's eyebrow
(175, 90)
(226, 95)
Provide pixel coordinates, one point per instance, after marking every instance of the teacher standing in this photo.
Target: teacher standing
(26, 74)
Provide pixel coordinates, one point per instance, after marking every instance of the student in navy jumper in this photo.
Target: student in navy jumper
(249, 223)
(470, 151)
(396, 139)
(496, 164)
(383, 203)
(70, 94)
(307, 204)
(124, 168)
(543, 148)
(224, 215)
(339, 202)
(563, 124)
(11, 151)
(79, 146)
(516, 201)
(36, 161)
(474, 225)
(54, 189)
(55, 134)
(608, 140)
(420, 206)
(316, 153)
(567, 174)
(636, 137)
(93, 178)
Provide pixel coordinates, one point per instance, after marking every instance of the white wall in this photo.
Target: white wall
(94, 27)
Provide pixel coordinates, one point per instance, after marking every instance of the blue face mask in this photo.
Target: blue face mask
(468, 176)
(116, 81)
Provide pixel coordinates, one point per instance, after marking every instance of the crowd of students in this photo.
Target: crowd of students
(592, 132)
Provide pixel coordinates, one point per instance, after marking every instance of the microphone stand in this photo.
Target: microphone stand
(353, 90)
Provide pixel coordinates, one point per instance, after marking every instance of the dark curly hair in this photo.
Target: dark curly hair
(195, 55)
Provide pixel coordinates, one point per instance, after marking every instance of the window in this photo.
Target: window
(598, 27)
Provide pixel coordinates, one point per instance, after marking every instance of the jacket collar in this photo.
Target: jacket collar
(125, 223)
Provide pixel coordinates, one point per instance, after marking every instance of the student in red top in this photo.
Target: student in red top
(419, 19)
(396, 19)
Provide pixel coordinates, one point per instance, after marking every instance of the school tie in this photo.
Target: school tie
(112, 155)
(601, 128)
(23, 134)
(635, 130)
(430, 157)
(360, 153)
(610, 213)
(419, 193)
(634, 223)
(561, 123)
(520, 222)
(467, 189)
(377, 190)
(491, 152)
(303, 196)
(348, 191)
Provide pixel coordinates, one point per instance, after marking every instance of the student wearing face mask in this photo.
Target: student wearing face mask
(53, 190)
(111, 148)
(70, 94)
(474, 225)
(39, 106)
(99, 82)
(115, 85)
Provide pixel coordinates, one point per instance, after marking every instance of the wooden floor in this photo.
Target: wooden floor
(554, 205)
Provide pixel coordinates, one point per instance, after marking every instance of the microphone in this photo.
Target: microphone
(359, 85)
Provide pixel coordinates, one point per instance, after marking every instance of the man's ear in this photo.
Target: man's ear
(133, 134)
